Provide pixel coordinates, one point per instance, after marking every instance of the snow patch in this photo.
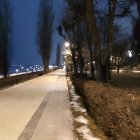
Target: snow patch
(81, 119)
(70, 83)
(75, 97)
(86, 134)
(75, 104)
(77, 107)
(72, 91)
(72, 87)
(84, 131)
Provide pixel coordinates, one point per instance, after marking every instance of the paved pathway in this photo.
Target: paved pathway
(37, 110)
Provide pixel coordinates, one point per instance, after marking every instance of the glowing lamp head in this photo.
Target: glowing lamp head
(67, 44)
(129, 53)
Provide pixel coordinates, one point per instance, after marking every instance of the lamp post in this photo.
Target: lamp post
(67, 56)
(67, 49)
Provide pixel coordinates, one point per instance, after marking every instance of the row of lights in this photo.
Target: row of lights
(34, 69)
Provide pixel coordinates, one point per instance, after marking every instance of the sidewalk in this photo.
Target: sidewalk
(56, 120)
(52, 119)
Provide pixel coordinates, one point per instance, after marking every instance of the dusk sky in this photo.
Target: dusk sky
(25, 16)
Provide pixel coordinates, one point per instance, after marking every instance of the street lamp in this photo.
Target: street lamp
(67, 44)
(130, 53)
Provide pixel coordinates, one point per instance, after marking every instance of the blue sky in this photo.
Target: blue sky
(59, 12)
(25, 14)
(24, 32)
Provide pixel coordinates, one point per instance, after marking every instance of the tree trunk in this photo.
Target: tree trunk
(99, 68)
(81, 61)
(118, 68)
(91, 58)
(108, 69)
(74, 61)
(111, 15)
(5, 29)
(138, 7)
(75, 67)
(94, 35)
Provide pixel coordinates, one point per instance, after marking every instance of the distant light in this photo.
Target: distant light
(50, 66)
(22, 67)
(27, 69)
(17, 70)
(93, 62)
(130, 53)
(64, 68)
(111, 58)
(67, 44)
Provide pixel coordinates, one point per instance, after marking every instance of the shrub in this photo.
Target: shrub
(113, 109)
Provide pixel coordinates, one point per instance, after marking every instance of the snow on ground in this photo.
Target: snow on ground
(81, 119)
(72, 87)
(124, 70)
(1, 76)
(74, 103)
(75, 97)
(136, 71)
(72, 91)
(77, 107)
(83, 131)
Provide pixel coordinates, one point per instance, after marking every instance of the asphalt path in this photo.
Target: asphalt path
(38, 109)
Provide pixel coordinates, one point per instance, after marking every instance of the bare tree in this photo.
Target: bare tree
(45, 30)
(5, 34)
(118, 53)
(75, 28)
(94, 35)
(136, 30)
(98, 34)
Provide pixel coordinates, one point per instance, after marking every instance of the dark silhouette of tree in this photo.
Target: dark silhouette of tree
(116, 9)
(75, 29)
(93, 33)
(138, 6)
(136, 34)
(58, 55)
(45, 30)
(99, 29)
(136, 31)
(118, 53)
(5, 35)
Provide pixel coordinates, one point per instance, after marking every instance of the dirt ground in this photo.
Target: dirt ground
(127, 80)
